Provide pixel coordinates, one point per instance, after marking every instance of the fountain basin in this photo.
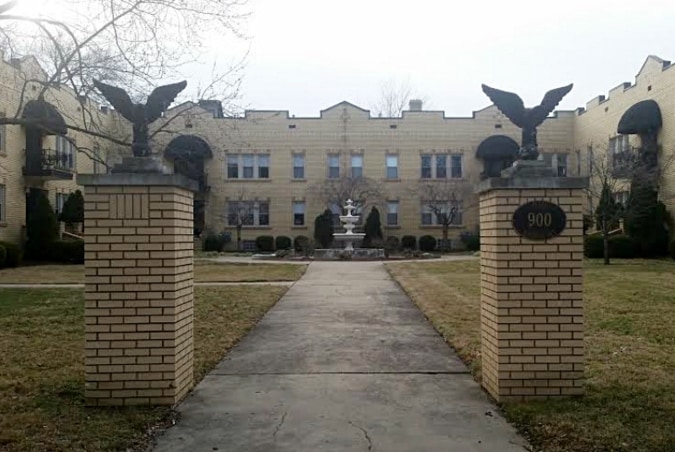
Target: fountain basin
(334, 254)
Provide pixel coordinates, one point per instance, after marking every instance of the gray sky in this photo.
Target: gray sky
(306, 55)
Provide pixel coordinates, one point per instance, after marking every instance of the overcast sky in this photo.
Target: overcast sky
(306, 55)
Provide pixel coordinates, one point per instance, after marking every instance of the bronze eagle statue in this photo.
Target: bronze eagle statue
(141, 115)
(526, 118)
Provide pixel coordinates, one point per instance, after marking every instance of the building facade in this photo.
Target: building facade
(270, 173)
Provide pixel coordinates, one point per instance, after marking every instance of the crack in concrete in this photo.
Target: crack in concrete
(279, 425)
(365, 434)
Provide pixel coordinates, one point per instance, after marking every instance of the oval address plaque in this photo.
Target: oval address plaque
(539, 220)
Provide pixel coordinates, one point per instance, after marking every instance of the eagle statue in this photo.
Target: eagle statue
(141, 115)
(526, 118)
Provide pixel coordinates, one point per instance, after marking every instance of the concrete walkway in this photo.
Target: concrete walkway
(340, 366)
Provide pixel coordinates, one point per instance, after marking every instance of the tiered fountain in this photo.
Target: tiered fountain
(349, 237)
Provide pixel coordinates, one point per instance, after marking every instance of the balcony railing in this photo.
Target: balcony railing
(49, 163)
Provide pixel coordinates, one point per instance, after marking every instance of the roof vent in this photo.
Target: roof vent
(415, 104)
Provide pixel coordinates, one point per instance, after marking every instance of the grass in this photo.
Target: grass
(42, 367)
(630, 351)
(204, 272)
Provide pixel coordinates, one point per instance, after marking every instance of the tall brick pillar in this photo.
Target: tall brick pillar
(138, 288)
(531, 287)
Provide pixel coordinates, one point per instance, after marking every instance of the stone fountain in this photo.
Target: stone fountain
(349, 238)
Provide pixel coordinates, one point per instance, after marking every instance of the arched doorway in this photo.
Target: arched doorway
(498, 152)
(188, 153)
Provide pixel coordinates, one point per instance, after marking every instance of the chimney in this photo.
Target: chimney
(415, 104)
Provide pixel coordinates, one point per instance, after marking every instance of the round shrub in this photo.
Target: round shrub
(300, 243)
(409, 242)
(265, 243)
(427, 243)
(622, 247)
(14, 254)
(213, 242)
(594, 247)
(471, 240)
(3, 256)
(392, 243)
(283, 242)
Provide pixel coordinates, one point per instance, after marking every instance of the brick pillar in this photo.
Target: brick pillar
(138, 288)
(531, 291)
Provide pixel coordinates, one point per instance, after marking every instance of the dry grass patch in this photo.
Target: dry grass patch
(630, 350)
(204, 272)
(42, 367)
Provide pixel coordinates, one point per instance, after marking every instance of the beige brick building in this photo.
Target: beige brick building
(274, 166)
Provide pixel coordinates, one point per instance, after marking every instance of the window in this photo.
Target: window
(298, 213)
(2, 138)
(620, 154)
(559, 163)
(392, 213)
(441, 212)
(591, 161)
(357, 166)
(426, 166)
(441, 166)
(97, 160)
(392, 166)
(3, 214)
(65, 153)
(248, 166)
(621, 197)
(456, 166)
(263, 166)
(333, 166)
(298, 166)
(60, 201)
(248, 213)
(336, 210)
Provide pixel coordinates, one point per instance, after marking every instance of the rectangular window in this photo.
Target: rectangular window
(60, 201)
(298, 213)
(427, 215)
(3, 213)
(392, 213)
(456, 166)
(248, 213)
(336, 210)
(247, 163)
(97, 160)
(392, 166)
(442, 213)
(426, 166)
(334, 166)
(264, 166)
(65, 153)
(233, 166)
(357, 166)
(298, 166)
(560, 164)
(441, 166)
(621, 197)
(2, 138)
(591, 160)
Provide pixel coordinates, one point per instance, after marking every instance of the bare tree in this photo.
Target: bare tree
(364, 191)
(240, 212)
(445, 201)
(133, 44)
(394, 98)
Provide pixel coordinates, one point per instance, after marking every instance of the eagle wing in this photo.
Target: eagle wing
(160, 99)
(118, 98)
(508, 103)
(550, 101)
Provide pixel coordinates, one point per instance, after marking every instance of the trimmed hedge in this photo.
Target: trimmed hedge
(470, 240)
(265, 243)
(14, 254)
(66, 251)
(3, 256)
(409, 242)
(301, 243)
(212, 242)
(620, 247)
(392, 243)
(427, 243)
(283, 242)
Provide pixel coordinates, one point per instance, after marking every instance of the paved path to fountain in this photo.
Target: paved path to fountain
(343, 362)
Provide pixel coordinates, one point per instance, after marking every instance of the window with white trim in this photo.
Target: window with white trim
(3, 203)
(248, 213)
(392, 213)
(559, 163)
(248, 166)
(333, 166)
(336, 211)
(65, 153)
(298, 213)
(60, 201)
(357, 166)
(298, 166)
(441, 211)
(426, 166)
(621, 197)
(391, 161)
(3, 138)
(441, 166)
